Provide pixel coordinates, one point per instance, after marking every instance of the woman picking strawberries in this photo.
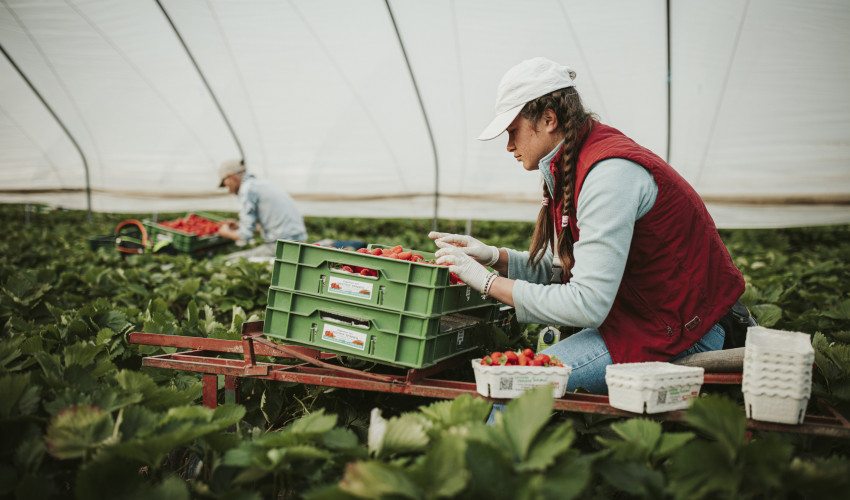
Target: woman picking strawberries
(645, 273)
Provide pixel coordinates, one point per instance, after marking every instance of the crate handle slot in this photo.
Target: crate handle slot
(321, 284)
(345, 320)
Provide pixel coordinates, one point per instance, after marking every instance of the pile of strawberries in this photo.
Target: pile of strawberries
(525, 357)
(399, 253)
(193, 224)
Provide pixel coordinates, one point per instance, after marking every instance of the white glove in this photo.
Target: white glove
(485, 254)
(466, 268)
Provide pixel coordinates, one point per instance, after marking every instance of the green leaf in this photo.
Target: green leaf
(633, 478)
(112, 319)
(339, 438)
(136, 421)
(841, 310)
(243, 455)
(459, 411)
(670, 442)
(525, 416)
(75, 432)
(327, 492)
(10, 351)
(442, 473)
(192, 316)
(281, 457)
(190, 287)
(722, 419)
(118, 478)
(764, 462)
(24, 289)
(639, 438)
(547, 448)
(491, 472)
(105, 336)
(51, 368)
(824, 478)
(313, 424)
(701, 469)
(403, 434)
(376, 479)
(29, 454)
(567, 478)
(81, 354)
(154, 396)
(767, 315)
(15, 398)
(179, 426)
(841, 336)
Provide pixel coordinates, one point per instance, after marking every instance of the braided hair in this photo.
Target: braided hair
(574, 121)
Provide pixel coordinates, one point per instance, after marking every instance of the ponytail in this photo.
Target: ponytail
(573, 121)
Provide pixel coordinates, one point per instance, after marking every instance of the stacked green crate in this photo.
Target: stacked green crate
(182, 241)
(408, 314)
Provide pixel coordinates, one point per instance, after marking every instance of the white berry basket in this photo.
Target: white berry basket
(777, 379)
(778, 347)
(652, 387)
(511, 381)
(768, 406)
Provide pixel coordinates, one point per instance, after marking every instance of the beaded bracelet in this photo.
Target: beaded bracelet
(487, 284)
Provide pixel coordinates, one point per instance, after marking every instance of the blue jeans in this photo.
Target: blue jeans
(587, 354)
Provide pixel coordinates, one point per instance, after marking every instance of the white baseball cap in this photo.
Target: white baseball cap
(230, 167)
(523, 83)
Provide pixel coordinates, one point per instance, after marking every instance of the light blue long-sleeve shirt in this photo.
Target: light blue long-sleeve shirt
(616, 193)
(263, 203)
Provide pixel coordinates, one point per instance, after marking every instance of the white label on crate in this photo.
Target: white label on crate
(675, 395)
(460, 338)
(506, 383)
(165, 237)
(350, 288)
(344, 336)
(524, 382)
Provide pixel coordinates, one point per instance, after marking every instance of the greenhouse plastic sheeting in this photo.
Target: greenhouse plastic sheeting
(323, 98)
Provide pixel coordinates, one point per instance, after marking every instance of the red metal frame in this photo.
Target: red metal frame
(203, 353)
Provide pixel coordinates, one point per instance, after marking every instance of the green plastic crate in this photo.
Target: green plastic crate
(185, 242)
(370, 333)
(414, 288)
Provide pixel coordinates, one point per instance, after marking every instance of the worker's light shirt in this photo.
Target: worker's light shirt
(263, 203)
(616, 193)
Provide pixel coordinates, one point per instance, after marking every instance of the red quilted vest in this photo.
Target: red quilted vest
(679, 278)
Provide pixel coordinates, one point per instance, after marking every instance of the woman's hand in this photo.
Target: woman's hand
(466, 268)
(484, 254)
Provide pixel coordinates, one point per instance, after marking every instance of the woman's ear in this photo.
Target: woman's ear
(550, 120)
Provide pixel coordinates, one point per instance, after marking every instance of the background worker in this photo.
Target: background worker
(262, 206)
(645, 273)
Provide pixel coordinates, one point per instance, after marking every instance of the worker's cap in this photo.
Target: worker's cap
(230, 167)
(523, 83)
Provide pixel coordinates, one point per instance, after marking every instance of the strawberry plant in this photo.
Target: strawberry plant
(80, 417)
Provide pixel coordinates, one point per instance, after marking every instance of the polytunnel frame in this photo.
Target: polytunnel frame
(60, 123)
(424, 115)
(203, 79)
